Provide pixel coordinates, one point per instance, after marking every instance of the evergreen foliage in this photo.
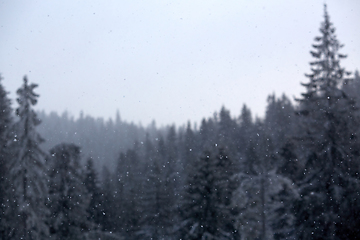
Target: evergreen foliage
(112, 137)
(5, 126)
(157, 220)
(293, 174)
(68, 196)
(27, 172)
(126, 194)
(279, 120)
(263, 192)
(92, 184)
(111, 214)
(206, 212)
(329, 143)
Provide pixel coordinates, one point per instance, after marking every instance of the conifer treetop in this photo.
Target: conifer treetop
(28, 119)
(327, 74)
(26, 97)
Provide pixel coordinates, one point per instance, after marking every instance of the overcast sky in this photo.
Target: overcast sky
(171, 61)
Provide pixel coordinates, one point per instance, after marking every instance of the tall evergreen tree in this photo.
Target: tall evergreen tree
(109, 203)
(26, 171)
(226, 131)
(190, 147)
(157, 217)
(171, 171)
(5, 125)
(244, 133)
(329, 145)
(263, 195)
(68, 196)
(205, 211)
(95, 208)
(279, 120)
(207, 134)
(352, 88)
(126, 194)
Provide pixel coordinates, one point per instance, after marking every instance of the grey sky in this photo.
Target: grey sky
(171, 61)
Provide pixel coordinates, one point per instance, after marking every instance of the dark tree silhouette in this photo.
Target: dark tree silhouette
(328, 140)
(26, 170)
(5, 126)
(68, 196)
(205, 211)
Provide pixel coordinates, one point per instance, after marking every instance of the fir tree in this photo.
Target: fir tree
(329, 144)
(207, 134)
(263, 194)
(206, 212)
(95, 208)
(190, 147)
(123, 194)
(244, 132)
(26, 171)
(157, 217)
(5, 121)
(227, 128)
(110, 212)
(5, 125)
(352, 88)
(68, 196)
(279, 119)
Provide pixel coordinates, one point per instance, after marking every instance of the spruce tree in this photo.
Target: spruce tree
(327, 139)
(5, 125)
(245, 130)
(206, 212)
(126, 194)
(109, 200)
(279, 119)
(156, 222)
(68, 196)
(26, 170)
(226, 130)
(95, 208)
(263, 195)
(190, 146)
(5, 122)
(352, 89)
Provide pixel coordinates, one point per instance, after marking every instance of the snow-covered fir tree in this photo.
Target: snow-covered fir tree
(263, 195)
(329, 147)
(27, 172)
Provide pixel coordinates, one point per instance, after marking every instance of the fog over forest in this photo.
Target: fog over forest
(291, 174)
(168, 61)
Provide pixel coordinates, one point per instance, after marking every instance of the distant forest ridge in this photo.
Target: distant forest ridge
(103, 140)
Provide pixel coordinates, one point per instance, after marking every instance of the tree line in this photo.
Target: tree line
(293, 174)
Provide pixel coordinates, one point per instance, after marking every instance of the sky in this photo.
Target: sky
(168, 61)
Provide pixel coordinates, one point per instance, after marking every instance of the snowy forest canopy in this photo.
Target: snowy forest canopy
(292, 175)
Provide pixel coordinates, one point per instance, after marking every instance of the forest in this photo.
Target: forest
(293, 174)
